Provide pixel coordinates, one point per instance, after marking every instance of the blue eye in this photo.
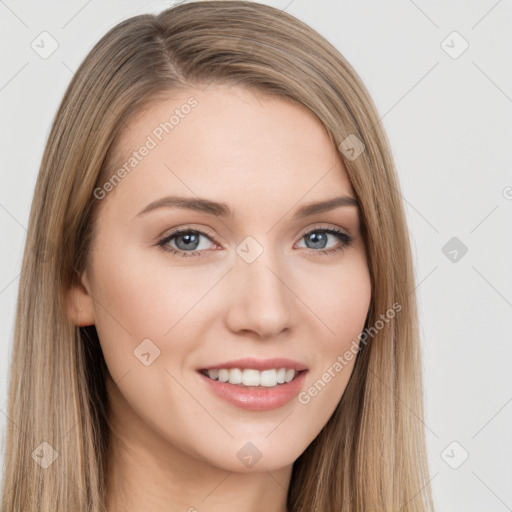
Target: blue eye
(188, 240)
(319, 236)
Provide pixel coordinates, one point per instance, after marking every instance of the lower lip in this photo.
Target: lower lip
(257, 398)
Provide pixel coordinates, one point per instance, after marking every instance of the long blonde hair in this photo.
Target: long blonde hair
(370, 456)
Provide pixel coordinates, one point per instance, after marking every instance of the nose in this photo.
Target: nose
(260, 299)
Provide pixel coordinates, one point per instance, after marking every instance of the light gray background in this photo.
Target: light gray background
(449, 122)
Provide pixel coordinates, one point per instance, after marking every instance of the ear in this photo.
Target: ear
(79, 302)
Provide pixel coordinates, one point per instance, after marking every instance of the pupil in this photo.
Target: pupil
(190, 240)
(317, 239)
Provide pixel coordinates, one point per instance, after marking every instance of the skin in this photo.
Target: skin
(176, 442)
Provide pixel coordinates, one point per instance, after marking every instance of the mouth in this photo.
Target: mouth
(255, 390)
(252, 378)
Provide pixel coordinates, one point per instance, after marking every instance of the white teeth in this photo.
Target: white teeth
(289, 375)
(235, 376)
(251, 377)
(269, 378)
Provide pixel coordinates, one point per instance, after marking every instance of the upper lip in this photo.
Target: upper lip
(259, 364)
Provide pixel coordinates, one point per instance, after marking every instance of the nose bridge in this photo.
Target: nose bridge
(261, 300)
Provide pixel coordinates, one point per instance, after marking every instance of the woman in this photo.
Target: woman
(216, 305)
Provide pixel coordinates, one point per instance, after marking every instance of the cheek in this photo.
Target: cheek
(346, 302)
(140, 295)
(349, 302)
(339, 297)
(342, 309)
(139, 288)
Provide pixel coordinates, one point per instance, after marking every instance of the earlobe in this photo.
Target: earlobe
(80, 304)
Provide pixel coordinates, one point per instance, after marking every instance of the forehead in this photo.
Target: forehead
(228, 143)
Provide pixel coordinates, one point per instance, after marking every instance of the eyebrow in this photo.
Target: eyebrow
(223, 210)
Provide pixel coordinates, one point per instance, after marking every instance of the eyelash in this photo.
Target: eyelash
(345, 238)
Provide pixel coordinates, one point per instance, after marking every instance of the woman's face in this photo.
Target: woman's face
(263, 282)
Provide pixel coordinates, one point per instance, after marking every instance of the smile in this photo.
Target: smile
(252, 378)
